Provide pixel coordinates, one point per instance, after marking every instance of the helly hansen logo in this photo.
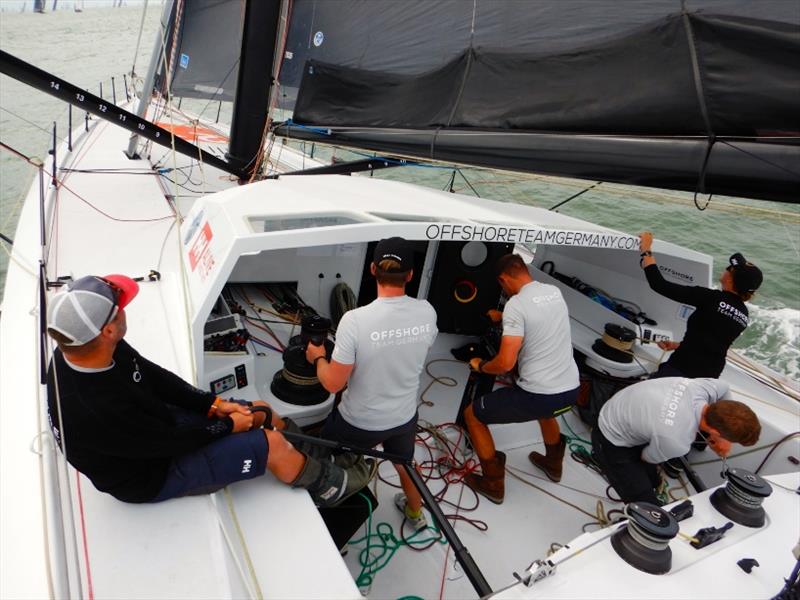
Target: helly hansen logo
(246, 466)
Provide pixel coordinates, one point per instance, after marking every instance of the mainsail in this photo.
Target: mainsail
(200, 69)
(699, 95)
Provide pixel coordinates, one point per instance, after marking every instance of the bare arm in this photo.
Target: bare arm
(333, 375)
(505, 359)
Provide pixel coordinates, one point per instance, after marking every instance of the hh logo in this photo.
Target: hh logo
(246, 466)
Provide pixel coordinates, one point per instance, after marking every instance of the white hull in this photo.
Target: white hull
(78, 542)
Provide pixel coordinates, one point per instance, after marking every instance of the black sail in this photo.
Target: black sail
(203, 49)
(701, 95)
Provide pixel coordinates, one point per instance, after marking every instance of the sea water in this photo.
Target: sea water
(88, 48)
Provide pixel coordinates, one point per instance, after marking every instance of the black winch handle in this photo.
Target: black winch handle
(268, 412)
(462, 554)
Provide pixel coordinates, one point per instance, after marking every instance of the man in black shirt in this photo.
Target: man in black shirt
(141, 433)
(720, 316)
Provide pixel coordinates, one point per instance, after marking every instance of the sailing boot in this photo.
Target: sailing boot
(306, 448)
(329, 484)
(492, 484)
(553, 459)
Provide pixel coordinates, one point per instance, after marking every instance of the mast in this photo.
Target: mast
(257, 59)
(152, 70)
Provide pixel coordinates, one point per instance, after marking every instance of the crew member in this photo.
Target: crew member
(655, 420)
(719, 318)
(141, 433)
(536, 336)
(380, 350)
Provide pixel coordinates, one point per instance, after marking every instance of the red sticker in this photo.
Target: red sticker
(200, 247)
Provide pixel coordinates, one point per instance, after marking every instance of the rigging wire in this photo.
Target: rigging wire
(138, 41)
(49, 132)
(583, 191)
(762, 159)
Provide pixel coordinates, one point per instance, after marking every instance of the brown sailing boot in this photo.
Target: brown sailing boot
(552, 461)
(492, 483)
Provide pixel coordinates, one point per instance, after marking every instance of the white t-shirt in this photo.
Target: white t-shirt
(538, 313)
(663, 413)
(387, 340)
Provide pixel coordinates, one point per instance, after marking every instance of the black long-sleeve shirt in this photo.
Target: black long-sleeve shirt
(719, 318)
(117, 427)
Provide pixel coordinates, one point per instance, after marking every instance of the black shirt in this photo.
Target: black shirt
(118, 429)
(720, 317)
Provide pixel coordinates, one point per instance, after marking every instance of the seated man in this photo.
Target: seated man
(650, 422)
(536, 336)
(141, 433)
(381, 349)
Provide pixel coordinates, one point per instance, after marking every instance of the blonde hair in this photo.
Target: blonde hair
(386, 273)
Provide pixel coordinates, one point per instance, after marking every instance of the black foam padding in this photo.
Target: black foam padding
(344, 520)
(449, 273)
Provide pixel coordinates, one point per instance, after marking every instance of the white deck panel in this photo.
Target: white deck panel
(171, 550)
(191, 547)
(709, 572)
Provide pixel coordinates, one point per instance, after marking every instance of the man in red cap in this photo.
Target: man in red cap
(141, 433)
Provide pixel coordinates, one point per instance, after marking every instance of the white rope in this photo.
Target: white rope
(250, 567)
(251, 593)
(12, 256)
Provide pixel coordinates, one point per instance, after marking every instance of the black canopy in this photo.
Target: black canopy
(696, 95)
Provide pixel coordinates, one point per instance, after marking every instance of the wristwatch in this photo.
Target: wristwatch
(642, 256)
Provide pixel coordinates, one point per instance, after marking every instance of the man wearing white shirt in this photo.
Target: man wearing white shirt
(536, 337)
(380, 354)
(653, 421)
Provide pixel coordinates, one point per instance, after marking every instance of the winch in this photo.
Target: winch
(296, 382)
(616, 343)
(644, 542)
(741, 498)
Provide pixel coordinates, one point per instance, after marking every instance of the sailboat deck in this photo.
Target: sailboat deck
(259, 538)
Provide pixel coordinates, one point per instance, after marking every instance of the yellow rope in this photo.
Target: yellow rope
(617, 344)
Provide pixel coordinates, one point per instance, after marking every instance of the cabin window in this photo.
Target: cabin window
(270, 224)
(408, 218)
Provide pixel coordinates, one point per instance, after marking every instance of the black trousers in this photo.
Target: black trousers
(634, 479)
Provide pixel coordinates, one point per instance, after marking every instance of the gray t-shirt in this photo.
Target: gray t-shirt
(662, 413)
(387, 340)
(539, 314)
